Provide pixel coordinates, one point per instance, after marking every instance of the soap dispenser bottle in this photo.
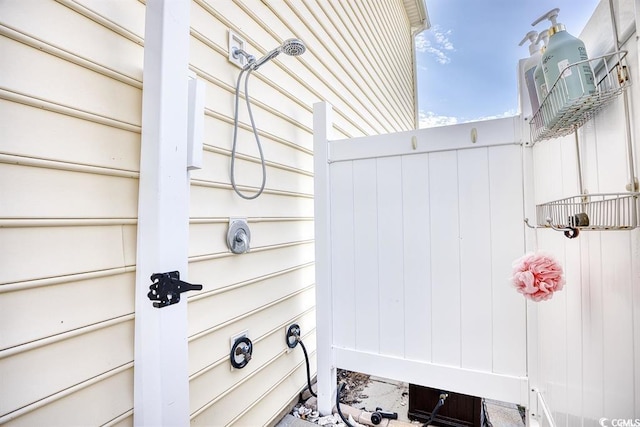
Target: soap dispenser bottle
(538, 74)
(529, 67)
(542, 117)
(562, 51)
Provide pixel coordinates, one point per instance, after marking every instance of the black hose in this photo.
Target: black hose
(338, 393)
(306, 359)
(440, 404)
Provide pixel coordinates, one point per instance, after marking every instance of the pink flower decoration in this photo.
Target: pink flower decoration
(537, 276)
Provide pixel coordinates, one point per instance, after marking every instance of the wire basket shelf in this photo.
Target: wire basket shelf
(560, 115)
(606, 211)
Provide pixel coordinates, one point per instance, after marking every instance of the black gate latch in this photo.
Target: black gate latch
(167, 288)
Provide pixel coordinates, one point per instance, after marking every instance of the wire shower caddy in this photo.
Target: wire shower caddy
(606, 211)
(560, 115)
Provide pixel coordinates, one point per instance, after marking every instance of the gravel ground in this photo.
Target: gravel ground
(355, 385)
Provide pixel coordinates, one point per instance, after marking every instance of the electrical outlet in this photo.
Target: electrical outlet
(236, 42)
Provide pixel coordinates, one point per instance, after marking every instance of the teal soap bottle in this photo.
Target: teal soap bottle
(541, 119)
(569, 84)
(529, 67)
(538, 74)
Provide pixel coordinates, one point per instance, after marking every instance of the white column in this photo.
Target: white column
(322, 125)
(161, 387)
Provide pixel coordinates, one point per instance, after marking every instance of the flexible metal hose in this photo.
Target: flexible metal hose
(248, 70)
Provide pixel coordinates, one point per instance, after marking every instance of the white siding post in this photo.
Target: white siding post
(161, 387)
(322, 124)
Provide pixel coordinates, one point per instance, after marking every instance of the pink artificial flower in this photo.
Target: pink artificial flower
(537, 276)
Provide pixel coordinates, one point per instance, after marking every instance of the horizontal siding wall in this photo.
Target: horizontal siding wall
(358, 58)
(70, 102)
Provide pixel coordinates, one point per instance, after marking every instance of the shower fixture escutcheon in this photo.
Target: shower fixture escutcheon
(238, 236)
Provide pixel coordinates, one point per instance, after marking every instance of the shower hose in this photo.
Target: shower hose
(306, 359)
(248, 70)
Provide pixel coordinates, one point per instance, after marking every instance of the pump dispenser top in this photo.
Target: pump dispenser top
(533, 38)
(527, 68)
(544, 38)
(552, 16)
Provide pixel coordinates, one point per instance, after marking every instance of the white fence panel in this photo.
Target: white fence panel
(422, 229)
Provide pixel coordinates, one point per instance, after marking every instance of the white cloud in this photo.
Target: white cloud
(509, 113)
(430, 119)
(435, 42)
(421, 42)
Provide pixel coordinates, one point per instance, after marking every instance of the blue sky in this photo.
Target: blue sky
(467, 61)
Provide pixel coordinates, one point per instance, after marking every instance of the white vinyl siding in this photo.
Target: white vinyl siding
(71, 108)
(358, 58)
(70, 102)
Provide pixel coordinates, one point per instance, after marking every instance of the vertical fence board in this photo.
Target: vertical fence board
(507, 244)
(592, 315)
(390, 256)
(417, 257)
(445, 258)
(475, 259)
(366, 255)
(617, 326)
(342, 254)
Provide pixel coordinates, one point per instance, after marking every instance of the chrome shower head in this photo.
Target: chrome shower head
(291, 47)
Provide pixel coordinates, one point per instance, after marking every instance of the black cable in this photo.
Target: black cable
(338, 393)
(306, 358)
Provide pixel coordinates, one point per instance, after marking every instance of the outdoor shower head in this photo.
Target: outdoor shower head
(292, 47)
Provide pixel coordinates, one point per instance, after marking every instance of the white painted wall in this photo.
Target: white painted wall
(589, 334)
